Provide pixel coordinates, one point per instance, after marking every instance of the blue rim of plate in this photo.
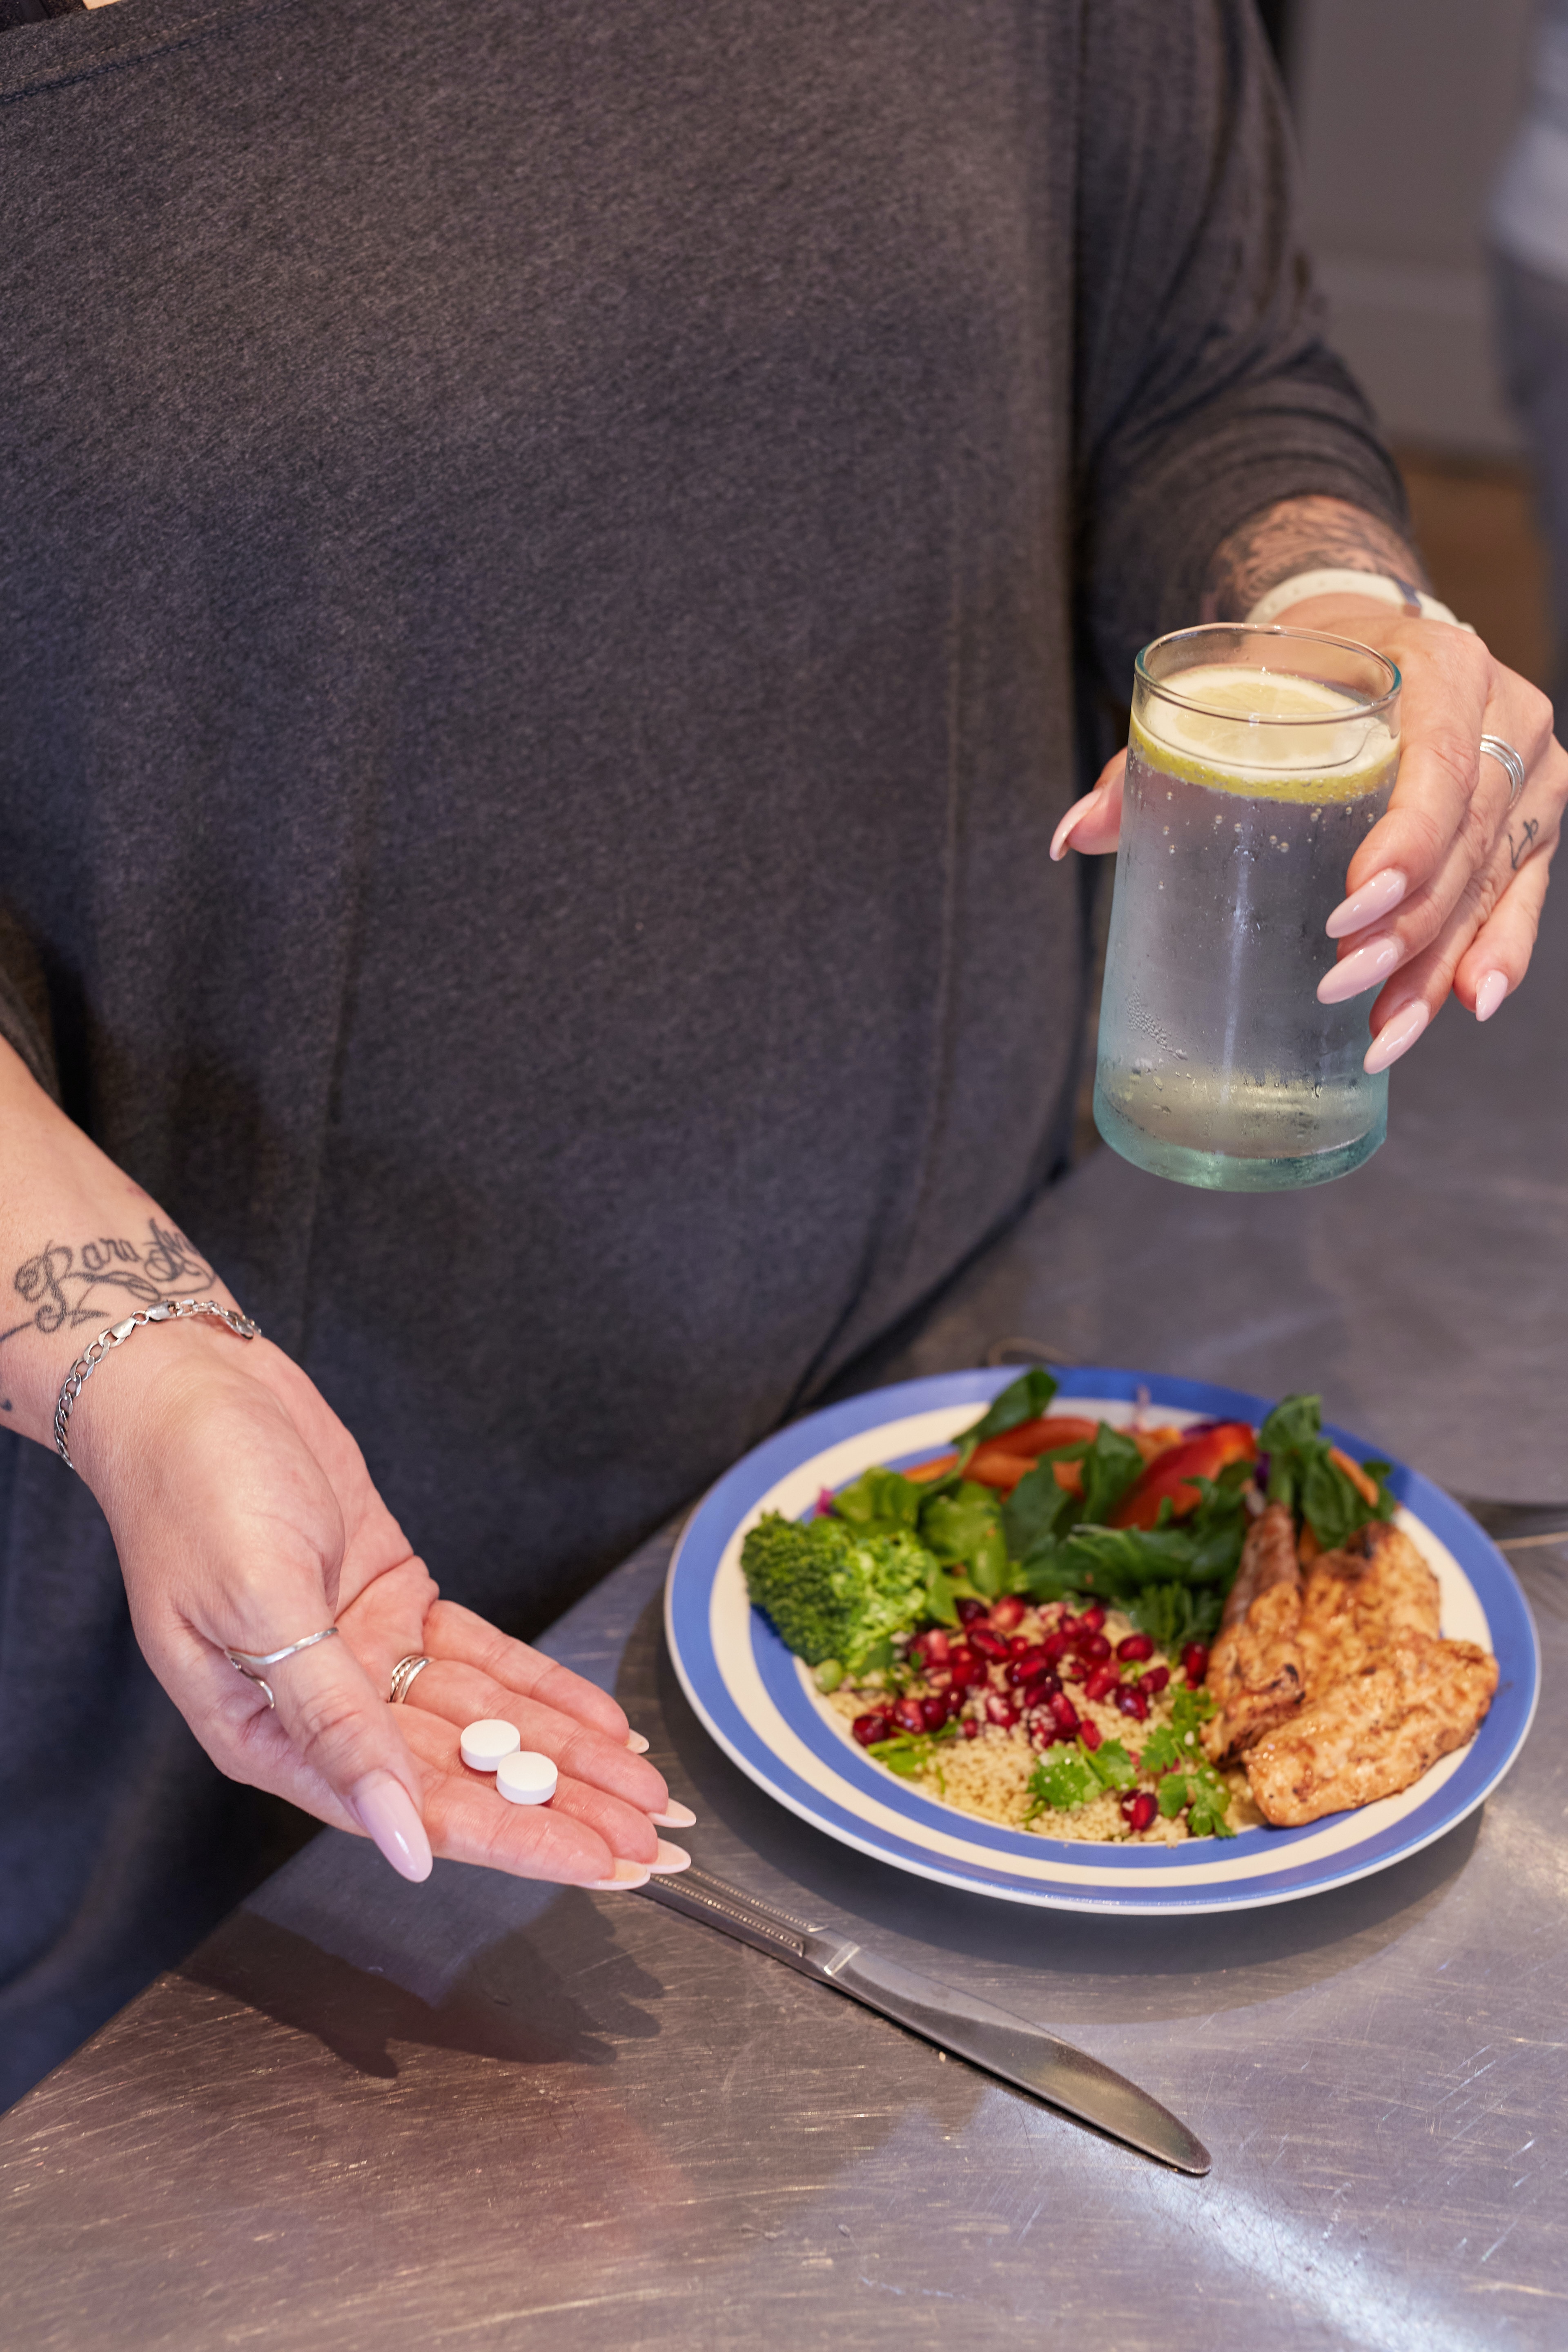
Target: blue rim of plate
(757, 1702)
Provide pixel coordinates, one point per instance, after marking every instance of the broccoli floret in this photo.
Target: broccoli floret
(831, 1593)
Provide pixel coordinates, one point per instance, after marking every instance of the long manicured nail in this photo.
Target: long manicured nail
(1490, 994)
(674, 1817)
(1358, 971)
(670, 1857)
(387, 1811)
(636, 1743)
(1059, 838)
(1378, 896)
(1395, 1037)
(627, 1875)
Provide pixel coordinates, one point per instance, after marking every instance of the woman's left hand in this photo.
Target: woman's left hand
(1446, 891)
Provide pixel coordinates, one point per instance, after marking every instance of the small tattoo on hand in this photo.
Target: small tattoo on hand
(1519, 850)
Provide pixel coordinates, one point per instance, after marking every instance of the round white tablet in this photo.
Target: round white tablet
(527, 1778)
(486, 1744)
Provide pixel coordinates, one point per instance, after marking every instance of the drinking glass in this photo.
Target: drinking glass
(1258, 759)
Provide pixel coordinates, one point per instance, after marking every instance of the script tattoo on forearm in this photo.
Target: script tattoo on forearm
(65, 1285)
(1311, 534)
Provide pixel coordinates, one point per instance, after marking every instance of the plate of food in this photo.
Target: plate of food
(1115, 1642)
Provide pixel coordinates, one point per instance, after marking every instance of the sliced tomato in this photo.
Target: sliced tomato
(1172, 1474)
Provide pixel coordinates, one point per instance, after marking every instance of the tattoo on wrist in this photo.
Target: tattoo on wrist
(65, 1285)
(1312, 534)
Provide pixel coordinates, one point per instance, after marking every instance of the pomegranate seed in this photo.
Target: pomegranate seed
(1018, 1643)
(1007, 1615)
(935, 1646)
(1136, 1647)
(1131, 1701)
(1090, 1734)
(1137, 1809)
(1056, 1646)
(868, 1728)
(909, 1715)
(1092, 1619)
(1154, 1681)
(1073, 1670)
(1027, 1662)
(1194, 1662)
(989, 1644)
(1102, 1682)
(1000, 1710)
(1095, 1648)
(966, 1669)
(1070, 1627)
(1041, 1688)
(935, 1712)
(1063, 1712)
(970, 1730)
(971, 1611)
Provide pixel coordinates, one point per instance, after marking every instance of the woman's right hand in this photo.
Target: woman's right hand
(245, 1519)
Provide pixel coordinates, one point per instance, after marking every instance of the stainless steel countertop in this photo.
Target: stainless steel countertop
(483, 2115)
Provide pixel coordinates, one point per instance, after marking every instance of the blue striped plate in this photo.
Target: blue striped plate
(760, 1705)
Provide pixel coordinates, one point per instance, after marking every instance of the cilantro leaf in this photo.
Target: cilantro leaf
(1113, 1763)
(1201, 1796)
(1061, 1783)
(1175, 1615)
(1176, 1744)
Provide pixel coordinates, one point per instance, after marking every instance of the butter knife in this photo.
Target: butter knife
(1005, 2045)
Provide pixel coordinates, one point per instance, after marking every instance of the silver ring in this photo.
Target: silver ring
(1508, 759)
(249, 1661)
(403, 1674)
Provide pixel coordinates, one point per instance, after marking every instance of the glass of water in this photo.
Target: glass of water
(1258, 759)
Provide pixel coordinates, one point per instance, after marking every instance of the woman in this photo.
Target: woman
(558, 562)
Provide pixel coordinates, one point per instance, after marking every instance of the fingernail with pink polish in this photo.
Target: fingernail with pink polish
(388, 1814)
(1059, 838)
(671, 1857)
(1395, 1037)
(1376, 897)
(1361, 970)
(636, 1743)
(674, 1817)
(627, 1875)
(1490, 994)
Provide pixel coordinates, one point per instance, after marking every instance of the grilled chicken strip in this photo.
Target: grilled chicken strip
(1254, 1669)
(1374, 1733)
(1360, 1601)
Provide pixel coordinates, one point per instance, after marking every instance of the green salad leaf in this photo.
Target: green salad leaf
(1303, 1476)
(1022, 1399)
(1109, 1467)
(880, 1502)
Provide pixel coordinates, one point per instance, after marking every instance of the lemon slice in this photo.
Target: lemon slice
(1263, 732)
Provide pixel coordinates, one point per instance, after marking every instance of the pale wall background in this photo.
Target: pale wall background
(1404, 108)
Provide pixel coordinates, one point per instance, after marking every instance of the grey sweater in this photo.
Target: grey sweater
(551, 551)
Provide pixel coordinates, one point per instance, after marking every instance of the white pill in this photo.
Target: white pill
(527, 1778)
(484, 1744)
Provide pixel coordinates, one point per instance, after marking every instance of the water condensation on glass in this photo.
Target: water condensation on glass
(1217, 1065)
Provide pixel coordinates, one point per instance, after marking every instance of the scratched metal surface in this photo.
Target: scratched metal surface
(482, 2115)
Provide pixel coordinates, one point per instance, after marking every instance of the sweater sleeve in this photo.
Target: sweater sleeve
(1204, 389)
(25, 1005)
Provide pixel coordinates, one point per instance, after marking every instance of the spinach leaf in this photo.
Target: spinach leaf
(1038, 1509)
(1304, 1476)
(1109, 1467)
(1023, 1400)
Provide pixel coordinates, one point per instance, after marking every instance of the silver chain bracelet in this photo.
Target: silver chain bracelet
(170, 1310)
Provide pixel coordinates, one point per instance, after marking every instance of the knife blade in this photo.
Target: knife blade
(1518, 1526)
(1007, 2046)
